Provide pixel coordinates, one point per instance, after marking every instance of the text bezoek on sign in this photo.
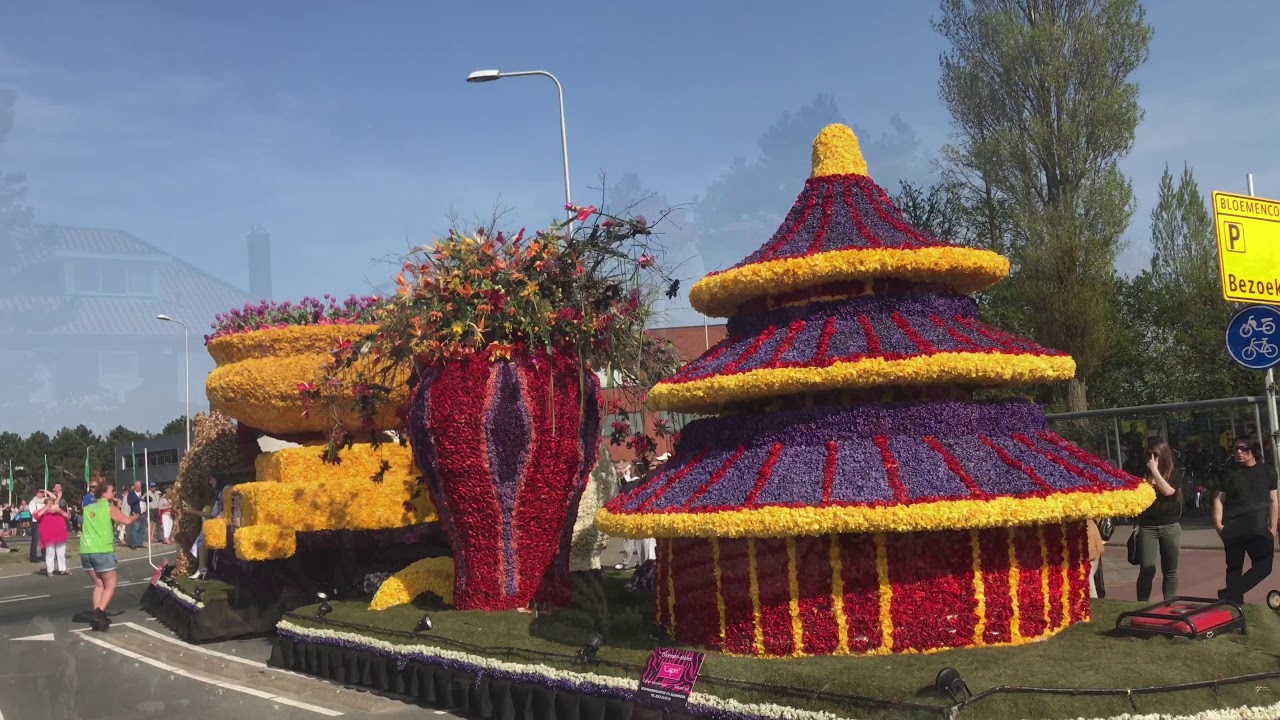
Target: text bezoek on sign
(1253, 286)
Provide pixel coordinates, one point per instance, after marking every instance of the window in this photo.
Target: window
(105, 277)
(141, 282)
(159, 458)
(117, 365)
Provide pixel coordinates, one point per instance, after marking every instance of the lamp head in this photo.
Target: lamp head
(480, 76)
(423, 624)
(950, 682)
(164, 317)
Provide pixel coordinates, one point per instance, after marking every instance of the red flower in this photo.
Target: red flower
(585, 212)
(647, 261)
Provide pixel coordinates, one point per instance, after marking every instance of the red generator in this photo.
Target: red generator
(1184, 617)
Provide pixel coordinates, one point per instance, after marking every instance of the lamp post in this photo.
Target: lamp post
(481, 76)
(186, 363)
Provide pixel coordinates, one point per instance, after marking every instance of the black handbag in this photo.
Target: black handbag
(1132, 548)
(1106, 528)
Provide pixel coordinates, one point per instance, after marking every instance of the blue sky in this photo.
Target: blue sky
(347, 131)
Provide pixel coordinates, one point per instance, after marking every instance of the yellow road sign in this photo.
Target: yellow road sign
(1248, 247)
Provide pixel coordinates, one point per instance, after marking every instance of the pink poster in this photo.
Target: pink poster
(669, 677)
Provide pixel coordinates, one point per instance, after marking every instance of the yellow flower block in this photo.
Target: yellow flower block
(265, 542)
(352, 503)
(258, 374)
(428, 575)
(836, 151)
(215, 533)
(307, 465)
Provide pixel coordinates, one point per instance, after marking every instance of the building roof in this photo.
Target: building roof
(691, 341)
(99, 241)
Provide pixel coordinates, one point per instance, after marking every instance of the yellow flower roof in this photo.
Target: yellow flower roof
(844, 227)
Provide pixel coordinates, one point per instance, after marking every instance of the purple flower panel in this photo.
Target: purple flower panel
(767, 350)
(800, 242)
(860, 474)
(988, 471)
(892, 339)
(684, 488)
(805, 345)
(797, 476)
(940, 339)
(1106, 477)
(848, 340)
(508, 435)
(654, 481)
(736, 485)
(875, 224)
(1052, 473)
(842, 231)
(793, 217)
(923, 471)
(713, 361)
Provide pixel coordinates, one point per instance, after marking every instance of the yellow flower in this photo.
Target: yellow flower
(215, 533)
(963, 269)
(969, 368)
(265, 542)
(428, 575)
(922, 516)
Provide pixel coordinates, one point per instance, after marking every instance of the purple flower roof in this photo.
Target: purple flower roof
(877, 458)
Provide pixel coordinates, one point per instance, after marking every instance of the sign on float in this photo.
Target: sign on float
(1248, 247)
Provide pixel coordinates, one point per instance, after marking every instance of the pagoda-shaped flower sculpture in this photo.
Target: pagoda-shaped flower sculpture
(850, 497)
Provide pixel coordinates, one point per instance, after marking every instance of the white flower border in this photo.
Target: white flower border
(710, 702)
(182, 597)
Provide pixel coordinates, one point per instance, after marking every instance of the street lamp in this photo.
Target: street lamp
(483, 76)
(186, 363)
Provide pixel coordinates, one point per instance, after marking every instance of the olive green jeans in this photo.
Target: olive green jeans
(1158, 543)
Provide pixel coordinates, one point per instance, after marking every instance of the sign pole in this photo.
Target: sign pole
(1271, 397)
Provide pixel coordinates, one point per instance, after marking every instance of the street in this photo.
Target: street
(51, 667)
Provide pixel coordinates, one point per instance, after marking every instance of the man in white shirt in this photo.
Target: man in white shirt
(32, 507)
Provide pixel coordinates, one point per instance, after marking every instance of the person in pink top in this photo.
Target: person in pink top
(52, 521)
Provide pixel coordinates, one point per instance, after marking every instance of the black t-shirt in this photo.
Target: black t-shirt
(1167, 509)
(1247, 497)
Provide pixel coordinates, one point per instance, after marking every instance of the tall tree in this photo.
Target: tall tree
(1043, 109)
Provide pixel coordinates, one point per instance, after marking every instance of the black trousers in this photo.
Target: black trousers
(1261, 552)
(35, 540)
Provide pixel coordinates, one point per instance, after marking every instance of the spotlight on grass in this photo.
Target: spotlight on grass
(423, 625)
(950, 682)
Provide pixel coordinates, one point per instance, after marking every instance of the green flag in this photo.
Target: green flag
(86, 468)
(46, 473)
(133, 460)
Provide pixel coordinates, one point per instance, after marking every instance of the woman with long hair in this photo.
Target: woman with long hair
(1159, 532)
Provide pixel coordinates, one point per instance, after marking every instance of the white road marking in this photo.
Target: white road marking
(45, 637)
(20, 599)
(197, 648)
(15, 597)
(208, 680)
(124, 584)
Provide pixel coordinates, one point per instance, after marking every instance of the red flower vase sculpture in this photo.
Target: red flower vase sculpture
(505, 446)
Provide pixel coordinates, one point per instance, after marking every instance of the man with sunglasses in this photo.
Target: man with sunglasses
(1245, 512)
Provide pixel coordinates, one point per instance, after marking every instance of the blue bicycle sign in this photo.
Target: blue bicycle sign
(1252, 337)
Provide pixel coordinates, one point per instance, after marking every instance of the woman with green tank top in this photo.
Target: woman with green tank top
(98, 548)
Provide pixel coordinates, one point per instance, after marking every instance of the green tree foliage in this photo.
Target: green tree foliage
(1043, 109)
(176, 426)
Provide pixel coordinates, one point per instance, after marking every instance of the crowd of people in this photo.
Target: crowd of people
(1245, 513)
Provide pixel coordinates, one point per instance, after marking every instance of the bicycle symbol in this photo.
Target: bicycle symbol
(1266, 327)
(1259, 346)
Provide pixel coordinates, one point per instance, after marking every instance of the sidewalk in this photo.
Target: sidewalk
(1197, 534)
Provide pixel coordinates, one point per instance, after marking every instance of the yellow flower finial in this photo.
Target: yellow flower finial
(836, 152)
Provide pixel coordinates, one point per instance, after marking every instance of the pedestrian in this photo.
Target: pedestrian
(1159, 530)
(52, 523)
(210, 510)
(1096, 547)
(166, 518)
(1245, 512)
(153, 513)
(33, 507)
(137, 502)
(6, 517)
(98, 553)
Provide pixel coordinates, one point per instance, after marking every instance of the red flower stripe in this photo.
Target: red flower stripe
(891, 468)
(1031, 608)
(1061, 462)
(873, 342)
(1085, 457)
(735, 581)
(754, 348)
(912, 334)
(1079, 570)
(672, 480)
(824, 340)
(792, 331)
(766, 470)
(828, 195)
(811, 201)
(933, 604)
(896, 223)
(954, 465)
(697, 615)
(993, 548)
(1015, 463)
(820, 634)
(986, 332)
(861, 591)
(715, 478)
(1053, 538)
(690, 371)
(829, 472)
(951, 330)
(872, 239)
(772, 571)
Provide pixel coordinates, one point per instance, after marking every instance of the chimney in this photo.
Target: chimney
(259, 263)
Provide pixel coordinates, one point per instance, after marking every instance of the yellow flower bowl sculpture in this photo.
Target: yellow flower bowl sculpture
(259, 373)
(428, 575)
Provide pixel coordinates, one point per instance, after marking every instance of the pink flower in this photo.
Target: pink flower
(585, 212)
(647, 261)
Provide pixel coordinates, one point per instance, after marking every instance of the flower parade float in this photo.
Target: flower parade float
(848, 496)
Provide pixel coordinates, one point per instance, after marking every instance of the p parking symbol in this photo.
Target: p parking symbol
(1235, 237)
